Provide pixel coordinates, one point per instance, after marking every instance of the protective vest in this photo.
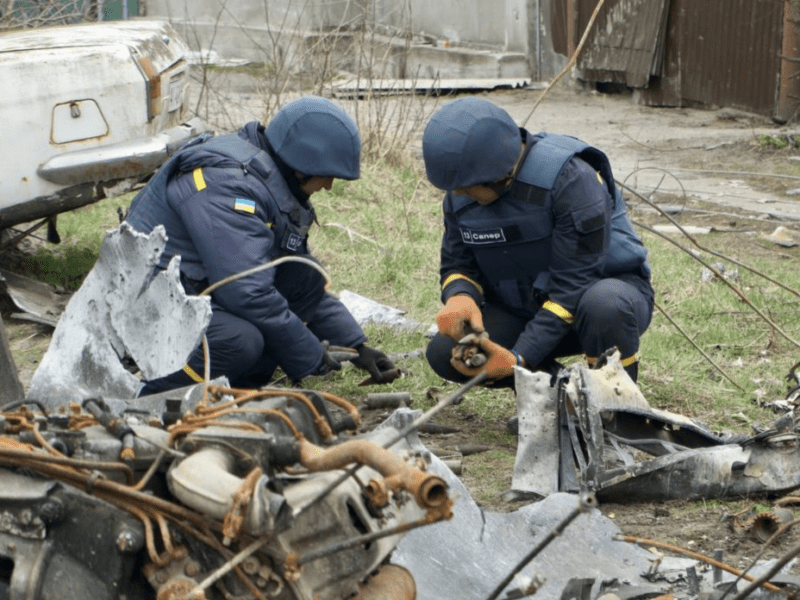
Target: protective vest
(512, 243)
(153, 205)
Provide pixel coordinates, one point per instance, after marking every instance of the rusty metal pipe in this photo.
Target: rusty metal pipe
(391, 582)
(454, 399)
(428, 490)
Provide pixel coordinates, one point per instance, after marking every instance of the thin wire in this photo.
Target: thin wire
(698, 348)
(269, 265)
(585, 503)
(736, 290)
(695, 555)
(781, 530)
(698, 245)
(259, 268)
(573, 59)
(259, 543)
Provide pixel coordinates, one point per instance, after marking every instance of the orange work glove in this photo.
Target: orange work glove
(500, 362)
(459, 316)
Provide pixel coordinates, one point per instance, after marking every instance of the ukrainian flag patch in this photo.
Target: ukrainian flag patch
(242, 205)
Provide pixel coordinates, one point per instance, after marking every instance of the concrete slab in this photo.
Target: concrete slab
(355, 87)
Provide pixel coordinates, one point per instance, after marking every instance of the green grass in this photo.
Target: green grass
(493, 470)
(81, 230)
(725, 326)
(771, 141)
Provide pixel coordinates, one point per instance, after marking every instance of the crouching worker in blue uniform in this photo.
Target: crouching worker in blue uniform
(234, 202)
(537, 252)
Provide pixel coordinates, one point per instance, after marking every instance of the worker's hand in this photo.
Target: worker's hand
(500, 362)
(459, 317)
(329, 364)
(374, 361)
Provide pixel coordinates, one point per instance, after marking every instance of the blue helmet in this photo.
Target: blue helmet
(316, 137)
(470, 142)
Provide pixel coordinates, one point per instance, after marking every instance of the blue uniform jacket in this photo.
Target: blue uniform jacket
(226, 209)
(561, 227)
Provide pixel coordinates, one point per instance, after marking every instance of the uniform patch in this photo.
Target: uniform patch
(242, 205)
(293, 242)
(483, 236)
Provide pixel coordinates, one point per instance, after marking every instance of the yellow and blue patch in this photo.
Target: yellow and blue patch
(242, 205)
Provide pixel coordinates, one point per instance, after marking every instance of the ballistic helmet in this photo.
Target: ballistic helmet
(470, 142)
(316, 137)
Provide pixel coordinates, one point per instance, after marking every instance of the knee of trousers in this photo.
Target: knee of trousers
(605, 319)
(236, 351)
(438, 354)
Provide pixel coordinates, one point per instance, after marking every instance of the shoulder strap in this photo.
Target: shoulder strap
(241, 151)
(551, 152)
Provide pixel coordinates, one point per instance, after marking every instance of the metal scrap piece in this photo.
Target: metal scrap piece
(610, 425)
(537, 461)
(121, 310)
(37, 301)
(10, 386)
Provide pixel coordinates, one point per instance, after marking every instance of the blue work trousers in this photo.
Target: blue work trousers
(614, 312)
(236, 346)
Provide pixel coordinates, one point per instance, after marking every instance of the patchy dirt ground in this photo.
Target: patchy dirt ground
(703, 160)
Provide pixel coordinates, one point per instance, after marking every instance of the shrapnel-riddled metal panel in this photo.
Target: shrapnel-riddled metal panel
(626, 43)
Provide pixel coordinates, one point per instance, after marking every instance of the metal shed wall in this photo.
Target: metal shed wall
(709, 52)
(722, 53)
(626, 44)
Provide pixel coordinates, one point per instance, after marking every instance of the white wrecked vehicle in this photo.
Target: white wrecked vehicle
(87, 111)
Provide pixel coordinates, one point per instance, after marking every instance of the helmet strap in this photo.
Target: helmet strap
(499, 186)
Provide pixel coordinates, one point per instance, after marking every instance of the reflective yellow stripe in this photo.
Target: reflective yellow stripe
(191, 373)
(625, 362)
(199, 182)
(559, 311)
(455, 276)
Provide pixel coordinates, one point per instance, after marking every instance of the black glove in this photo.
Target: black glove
(328, 362)
(373, 361)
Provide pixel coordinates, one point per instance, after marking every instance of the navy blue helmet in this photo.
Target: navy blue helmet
(316, 137)
(470, 142)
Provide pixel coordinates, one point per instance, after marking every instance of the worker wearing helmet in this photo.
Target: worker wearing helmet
(237, 201)
(537, 252)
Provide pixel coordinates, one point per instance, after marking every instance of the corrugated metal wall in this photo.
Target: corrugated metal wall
(723, 53)
(626, 44)
(679, 52)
